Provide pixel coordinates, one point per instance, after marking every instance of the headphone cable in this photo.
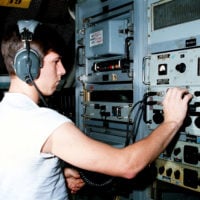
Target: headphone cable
(40, 94)
(29, 80)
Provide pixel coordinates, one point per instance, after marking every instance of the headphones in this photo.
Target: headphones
(27, 62)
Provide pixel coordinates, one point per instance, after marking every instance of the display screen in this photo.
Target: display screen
(123, 96)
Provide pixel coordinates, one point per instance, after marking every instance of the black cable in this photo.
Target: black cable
(95, 179)
(137, 123)
(141, 112)
(29, 79)
(40, 94)
(128, 135)
(136, 120)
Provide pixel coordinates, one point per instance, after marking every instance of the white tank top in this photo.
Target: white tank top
(25, 173)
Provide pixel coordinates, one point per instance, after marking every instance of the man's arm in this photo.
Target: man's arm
(71, 145)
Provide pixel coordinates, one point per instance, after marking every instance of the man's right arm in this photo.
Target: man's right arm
(71, 145)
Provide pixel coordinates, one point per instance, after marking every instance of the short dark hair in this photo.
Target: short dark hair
(45, 40)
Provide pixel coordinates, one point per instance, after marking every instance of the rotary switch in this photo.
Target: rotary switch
(181, 67)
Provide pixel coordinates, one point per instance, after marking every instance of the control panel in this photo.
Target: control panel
(174, 69)
(174, 61)
(124, 53)
(105, 42)
(155, 113)
(178, 174)
(178, 68)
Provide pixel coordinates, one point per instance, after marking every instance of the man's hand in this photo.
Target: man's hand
(73, 180)
(175, 105)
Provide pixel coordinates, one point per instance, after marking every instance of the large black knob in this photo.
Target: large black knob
(181, 67)
(158, 118)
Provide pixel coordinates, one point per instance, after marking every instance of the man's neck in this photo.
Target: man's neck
(19, 86)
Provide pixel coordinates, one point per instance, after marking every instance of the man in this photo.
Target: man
(34, 138)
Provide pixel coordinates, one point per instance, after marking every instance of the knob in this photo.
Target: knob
(169, 172)
(177, 151)
(197, 122)
(197, 93)
(187, 122)
(177, 174)
(161, 170)
(181, 67)
(158, 118)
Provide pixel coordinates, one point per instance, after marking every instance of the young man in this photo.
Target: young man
(34, 139)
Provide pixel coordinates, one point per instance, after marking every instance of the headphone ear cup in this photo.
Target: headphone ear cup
(27, 64)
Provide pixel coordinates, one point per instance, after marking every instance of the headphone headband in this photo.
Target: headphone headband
(27, 29)
(30, 25)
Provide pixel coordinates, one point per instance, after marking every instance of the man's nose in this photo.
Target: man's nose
(62, 69)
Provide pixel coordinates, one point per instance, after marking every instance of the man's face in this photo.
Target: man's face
(50, 73)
